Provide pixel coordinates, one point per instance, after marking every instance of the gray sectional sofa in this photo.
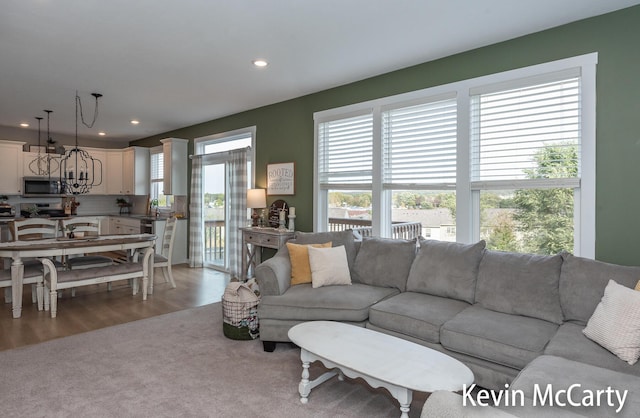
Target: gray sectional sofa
(515, 320)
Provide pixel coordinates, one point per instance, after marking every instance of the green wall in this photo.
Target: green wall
(285, 130)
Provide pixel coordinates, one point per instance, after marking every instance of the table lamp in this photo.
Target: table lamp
(256, 199)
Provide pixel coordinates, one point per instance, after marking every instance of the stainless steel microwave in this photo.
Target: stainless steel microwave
(42, 186)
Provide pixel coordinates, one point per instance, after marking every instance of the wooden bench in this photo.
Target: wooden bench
(55, 280)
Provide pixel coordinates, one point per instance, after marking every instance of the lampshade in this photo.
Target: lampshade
(256, 198)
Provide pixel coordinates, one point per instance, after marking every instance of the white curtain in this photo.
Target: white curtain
(196, 241)
(236, 208)
(236, 203)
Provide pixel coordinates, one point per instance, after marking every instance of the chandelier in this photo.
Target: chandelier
(43, 165)
(78, 169)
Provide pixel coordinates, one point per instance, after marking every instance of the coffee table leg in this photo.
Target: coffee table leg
(404, 397)
(304, 387)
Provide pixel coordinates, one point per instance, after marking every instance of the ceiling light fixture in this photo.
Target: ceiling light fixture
(41, 165)
(260, 63)
(102, 133)
(135, 121)
(25, 124)
(78, 168)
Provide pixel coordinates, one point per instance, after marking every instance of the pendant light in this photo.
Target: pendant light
(78, 169)
(43, 165)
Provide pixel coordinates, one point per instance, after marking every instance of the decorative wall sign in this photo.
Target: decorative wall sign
(281, 179)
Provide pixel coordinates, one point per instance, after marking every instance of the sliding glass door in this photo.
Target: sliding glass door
(216, 198)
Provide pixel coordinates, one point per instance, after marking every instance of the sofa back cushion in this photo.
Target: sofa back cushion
(336, 238)
(447, 269)
(582, 284)
(520, 284)
(384, 262)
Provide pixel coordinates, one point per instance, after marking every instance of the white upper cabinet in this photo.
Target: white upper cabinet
(175, 166)
(113, 173)
(11, 167)
(127, 171)
(136, 170)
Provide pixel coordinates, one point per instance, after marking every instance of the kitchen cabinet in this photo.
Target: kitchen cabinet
(120, 225)
(179, 255)
(11, 167)
(128, 171)
(175, 166)
(114, 178)
(136, 171)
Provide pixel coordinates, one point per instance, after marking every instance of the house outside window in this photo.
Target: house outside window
(509, 158)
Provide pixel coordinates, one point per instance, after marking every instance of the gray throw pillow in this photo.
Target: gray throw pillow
(520, 284)
(384, 262)
(447, 269)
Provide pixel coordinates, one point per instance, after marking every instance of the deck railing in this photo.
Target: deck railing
(214, 241)
(214, 233)
(399, 230)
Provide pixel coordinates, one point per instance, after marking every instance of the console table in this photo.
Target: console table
(253, 240)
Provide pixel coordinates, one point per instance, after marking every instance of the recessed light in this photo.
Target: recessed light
(135, 122)
(24, 124)
(260, 63)
(102, 133)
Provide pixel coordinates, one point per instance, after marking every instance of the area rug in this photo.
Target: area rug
(175, 365)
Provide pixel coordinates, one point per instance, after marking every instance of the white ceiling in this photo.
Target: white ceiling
(172, 64)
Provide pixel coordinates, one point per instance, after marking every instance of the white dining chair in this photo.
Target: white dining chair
(85, 226)
(163, 255)
(33, 275)
(33, 229)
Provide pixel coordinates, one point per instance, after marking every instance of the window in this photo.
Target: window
(157, 178)
(509, 158)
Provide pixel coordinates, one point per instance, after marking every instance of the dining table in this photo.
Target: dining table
(62, 247)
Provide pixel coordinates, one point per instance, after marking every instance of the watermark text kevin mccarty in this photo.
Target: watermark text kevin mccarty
(545, 395)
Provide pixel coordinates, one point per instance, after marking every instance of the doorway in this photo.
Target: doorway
(216, 201)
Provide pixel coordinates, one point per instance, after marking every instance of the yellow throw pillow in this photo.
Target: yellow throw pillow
(299, 256)
(637, 285)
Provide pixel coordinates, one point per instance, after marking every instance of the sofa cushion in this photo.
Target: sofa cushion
(447, 269)
(332, 303)
(569, 342)
(384, 262)
(329, 266)
(337, 238)
(615, 324)
(415, 314)
(521, 284)
(562, 373)
(506, 339)
(582, 284)
(299, 258)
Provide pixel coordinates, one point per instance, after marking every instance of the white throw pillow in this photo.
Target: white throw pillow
(615, 324)
(329, 266)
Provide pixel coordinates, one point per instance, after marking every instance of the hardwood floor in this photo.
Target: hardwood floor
(94, 307)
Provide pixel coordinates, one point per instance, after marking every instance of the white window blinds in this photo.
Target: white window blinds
(529, 132)
(420, 145)
(157, 166)
(345, 157)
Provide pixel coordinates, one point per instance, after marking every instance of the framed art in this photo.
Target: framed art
(281, 179)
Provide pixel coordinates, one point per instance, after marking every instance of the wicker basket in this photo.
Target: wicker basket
(240, 313)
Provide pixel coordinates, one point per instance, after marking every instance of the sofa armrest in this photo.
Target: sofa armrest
(274, 275)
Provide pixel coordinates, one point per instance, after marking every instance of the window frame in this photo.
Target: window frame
(467, 207)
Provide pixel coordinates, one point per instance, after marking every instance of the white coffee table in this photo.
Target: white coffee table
(381, 360)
